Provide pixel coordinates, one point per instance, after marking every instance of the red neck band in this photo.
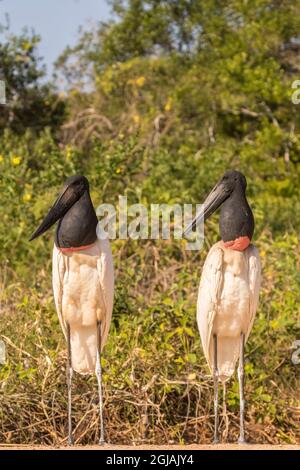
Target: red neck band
(239, 244)
(75, 248)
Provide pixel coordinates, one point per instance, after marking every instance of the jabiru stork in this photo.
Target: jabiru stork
(83, 283)
(229, 287)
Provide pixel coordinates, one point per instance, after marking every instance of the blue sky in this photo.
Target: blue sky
(57, 21)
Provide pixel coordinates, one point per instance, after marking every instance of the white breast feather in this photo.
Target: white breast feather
(227, 302)
(83, 286)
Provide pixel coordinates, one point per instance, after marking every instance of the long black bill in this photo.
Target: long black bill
(213, 201)
(63, 203)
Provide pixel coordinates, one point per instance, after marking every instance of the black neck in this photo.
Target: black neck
(78, 226)
(236, 219)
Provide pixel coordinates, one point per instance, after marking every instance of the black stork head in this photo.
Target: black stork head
(75, 211)
(236, 218)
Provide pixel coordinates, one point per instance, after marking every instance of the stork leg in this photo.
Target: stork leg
(99, 379)
(216, 380)
(241, 387)
(69, 382)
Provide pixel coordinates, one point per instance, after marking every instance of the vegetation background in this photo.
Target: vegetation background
(160, 101)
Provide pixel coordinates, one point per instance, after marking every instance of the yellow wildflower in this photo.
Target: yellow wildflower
(140, 81)
(16, 160)
(168, 105)
(136, 118)
(118, 170)
(1, 158)
(26, 197)
(68, 152)
(191, 376)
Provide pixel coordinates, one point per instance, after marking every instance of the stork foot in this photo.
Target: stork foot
(242, 441)
(101, 442)
(216, 441)
(70, 441)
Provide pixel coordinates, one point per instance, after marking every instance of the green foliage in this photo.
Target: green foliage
(29, 104)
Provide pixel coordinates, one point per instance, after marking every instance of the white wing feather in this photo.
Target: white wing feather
(106, 277)
(254, 272)
(58, 273)
(208, 297)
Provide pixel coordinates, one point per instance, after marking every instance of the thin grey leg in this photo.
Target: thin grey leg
(99, 379)
(216, 379)
(69, 382)
(241, 386)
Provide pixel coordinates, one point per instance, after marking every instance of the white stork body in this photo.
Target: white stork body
(83, 285)
(229, 286)
(227, 303)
